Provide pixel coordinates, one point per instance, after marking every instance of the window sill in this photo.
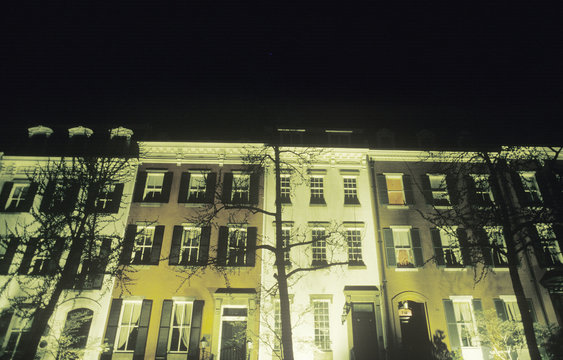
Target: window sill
(454, 269)
(394, 207)
(406, 269)
(501, 269)
(193, 204)
(149, 204)
(317, 204)
(352, 204)
(361, 266)
(442, 207)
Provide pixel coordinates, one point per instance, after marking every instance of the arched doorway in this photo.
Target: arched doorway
(415, 340)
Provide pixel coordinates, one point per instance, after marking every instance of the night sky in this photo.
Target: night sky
(183, 65)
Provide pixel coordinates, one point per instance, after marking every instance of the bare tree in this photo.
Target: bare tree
(69, 242)
(495, 199)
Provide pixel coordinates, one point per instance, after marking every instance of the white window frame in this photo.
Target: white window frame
(321, 324)
(390, 191)
(198, 186)
(317, 187)
(286, 236)
(154, 187)
(398, 248)
(468, 325)
(318, 247)
(182, 327)
(439, 187)
(549, 243)
(121, 326)
(483, 188)
(19, 197)
(350, 184)
(227, 318)
(511, 306)
(354, 242)
(240, 188)
(277, 329)
(19, 325)
(190, 235)
(285, 186)
(450, 246)
(237, 242)
(530, 185)
(143, 231)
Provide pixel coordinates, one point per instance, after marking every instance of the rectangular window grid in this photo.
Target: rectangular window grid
(350, 189)
(550, 245)
(285, 186)
(197, 187)
(530, 186)
(143, 244)
(483, 188)
(40, 259)
(189, 250)
(241, 188)
(322, 324)
(395, 189)
(496, 239)
(354, 239)
(180, 326)
(153, 186)
(318, 236)
(105, 197)
(512, 310)
(236, 249)
(403, 247)
(20, 326)
(466, 328)
(17, 195)
(439, 189)
(277, 326)
(450, 247)
(128, 326)
(317, 187)
(286, 236)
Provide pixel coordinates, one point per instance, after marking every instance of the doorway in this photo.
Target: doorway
(233, 334)
(415, 338)
(364, 332)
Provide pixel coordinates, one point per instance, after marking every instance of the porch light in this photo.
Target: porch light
(405, 313)
(249, 344)
(203, 343)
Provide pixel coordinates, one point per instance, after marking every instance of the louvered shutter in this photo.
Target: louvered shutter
(184, 187)
(426, 189)
(6, 190)
(11, 247)
(451, 187)
(227, 187)
(140, 186)
(407, 188)
(144, 319)
(389, 247)
(177, 233)
(157, 244)
(111, 330)
(501, 309)
(195, 332)
(251, 234)
(46, 201)
(472, 191)
(382, 189)
(464, 247)
(128, 243)
(5, 319)
(28, 255)
(452, 325)
(70, 195)
(204, 245)
(166, 187)
(417, 248)
(55, 255)
(222, 246)
(164, 330)
(102, 263)
(116, 196)
(437, 243)
(210, 184)
(486, 247)
(254, 188)
(519, 189)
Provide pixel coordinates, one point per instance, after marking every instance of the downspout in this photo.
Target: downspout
(387, 333)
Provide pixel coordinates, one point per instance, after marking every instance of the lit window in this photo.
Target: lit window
(354, 240)
(483, 189)
(395, 190)
(317, 190)
(236, 249)
(403, 247)
(189, 249)
(153, 186)
(180, 326)
(450, 247)
(498, 245)
(531, 188)
(144, 240)
(318, 237)
(241, 188)
(322, 324)
(18, 195)
(466, 328)
(197, 187)
(550, 246)
(439, 189)
(19, 328)
(285, 188)
(350, 190)
(128, 326)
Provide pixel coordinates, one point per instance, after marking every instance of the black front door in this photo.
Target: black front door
(364, 332)
(233, 340)
(416, 344)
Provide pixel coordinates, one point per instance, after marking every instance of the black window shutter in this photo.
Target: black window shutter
(417, 248)
(164, 330)
(166, 187)
(254, 188)
(543, 183)
(519, 189)
(227, 187)
(195, 332)
(140, 186)
(438, 250)
(184, 187)
(204, 244)
(113, 207)
(46, 201)
(486, 246)
(389, 247)
(11, 247)
(451, 187)
(210, 183)
(144, 318)
(157, 244)
(28, 202)
(111, 330)
(464, 246)
(452, 325)
(501, 309)
(472, 191)
(174, 257)
(222, 245)
(5, 319)
(407, 187)
(128, 242)
(56, 252)
(6, 189)
(28, 255)
(426, 189)
(251, 234)
(70, 196)
(97, 274)
(382, 189)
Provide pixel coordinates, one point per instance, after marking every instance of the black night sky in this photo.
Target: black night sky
(492, 68)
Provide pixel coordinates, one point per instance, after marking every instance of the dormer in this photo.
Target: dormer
(121, 133)
(79, 131)
(39, 130)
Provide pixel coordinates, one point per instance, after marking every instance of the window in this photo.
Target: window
(128, 326)
(189, 248)
(105, 197)
(550, 246)
(447, 247)
(498, 245)
(483, 190)
(507, 308)
(17, 196)
(285, 188)
(322, 324)
(153, 186)
(241, 188)
(354, 240)
(143, 244)
(318, 237)
(76, 330)
(317, 190)
(395, 189)
(530, 185)
(403, 247)
(236, 249)
(41, 258)
(466, 326)
(197, 188)
(180, 326)
(277, 326)
(439, 189)
(20, 325)
(286, 236)
(109, 198)
(350, 190)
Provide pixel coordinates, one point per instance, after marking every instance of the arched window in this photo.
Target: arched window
(77, 327)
